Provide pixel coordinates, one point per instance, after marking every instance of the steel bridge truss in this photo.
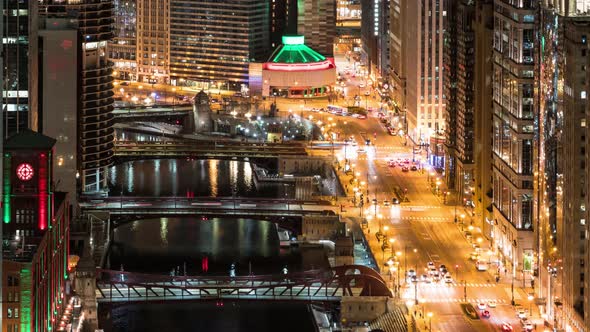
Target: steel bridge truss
(317, 285)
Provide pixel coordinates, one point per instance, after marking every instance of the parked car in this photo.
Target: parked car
(405, 169)
(395, 200)
(492, 303)
(485, 314)
(414, 168)
(481, 306)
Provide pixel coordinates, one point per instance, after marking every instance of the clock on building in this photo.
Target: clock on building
(24, 172)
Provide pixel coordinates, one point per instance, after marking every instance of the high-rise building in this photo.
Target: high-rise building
(459, 74)
(512, 134)
(484, 33)
(122, 48)
(417, 66)
(214, 44)
(153, 40)
(35, 236)
(316, 21)
(283, 21)
(93, 93)
(375, 37)
(19, 90)
(561, 187)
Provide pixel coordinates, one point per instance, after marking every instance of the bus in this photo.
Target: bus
(337, 110)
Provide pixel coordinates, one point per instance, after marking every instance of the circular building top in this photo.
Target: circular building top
(294, 55)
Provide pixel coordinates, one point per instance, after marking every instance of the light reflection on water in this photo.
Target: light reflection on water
(181, 177)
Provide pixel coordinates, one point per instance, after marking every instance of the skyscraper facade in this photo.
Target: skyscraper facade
(512, 133)
(19, 90)
(316, 21)
(213, 42)
(417, 65)
(484, 33)
(459, 67)
(122, 48)
(92, 19)
(562, 185)
(375, 37)
(153, 40)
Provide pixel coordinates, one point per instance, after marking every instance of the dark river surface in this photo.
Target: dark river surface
(178, 177)
(163, 244)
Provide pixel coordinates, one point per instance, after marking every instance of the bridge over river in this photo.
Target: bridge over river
(315, 285)
(174, 205)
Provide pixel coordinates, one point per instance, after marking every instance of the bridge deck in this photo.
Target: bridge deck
(207, 206)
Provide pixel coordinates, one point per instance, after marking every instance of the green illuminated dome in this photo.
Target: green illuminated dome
(294, 50)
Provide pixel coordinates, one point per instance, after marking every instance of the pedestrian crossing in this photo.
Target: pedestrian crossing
(425, 218)
(461, 300)
(455, 284)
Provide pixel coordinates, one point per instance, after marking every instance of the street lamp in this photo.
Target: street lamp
(530, 298)
(429, 321)
(416, 282)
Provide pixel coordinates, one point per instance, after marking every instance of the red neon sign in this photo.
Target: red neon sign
(24, 172)
(298, 66)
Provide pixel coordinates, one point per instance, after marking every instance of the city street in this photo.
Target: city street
(425, 227)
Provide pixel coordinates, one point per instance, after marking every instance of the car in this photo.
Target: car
(474, 256)
(362, 117)
(362, 85)
(385, 203)
(391, 164)
(521, 313)
(430, 265)
(374, 201)
(367, 93)
(414, 168)
(368, 141)
(492, 303)
(361, 151)
(442, 267)
(405, 169)
(448, 279)
(395, 200)
(426, 278)
(354, 143)
(435, 275)
(414, 278)
(527, 325)
(411, 272)
(506, 327)
(432, 270)
(485, 314)
(481, 306)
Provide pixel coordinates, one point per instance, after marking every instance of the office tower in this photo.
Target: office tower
(122, 48)
(316, 21)
(416, 67)
(35, 227)
(562, 183)
(512, 134)
(19, 90)
(93, 95)
(375, 37)
(213, 45)
(459, 70)
(283, 21)
(484, 33)
(153, 40)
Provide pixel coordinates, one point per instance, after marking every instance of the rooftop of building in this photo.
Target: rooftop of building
(294, 50)
(29, 140)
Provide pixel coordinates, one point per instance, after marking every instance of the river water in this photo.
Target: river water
(200, 177)
(162, 245)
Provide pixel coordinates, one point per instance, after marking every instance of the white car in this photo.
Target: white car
(481, 306)
(521, 313)
(431, 265)
(492, 303)
(362, 85)
(448, 279)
